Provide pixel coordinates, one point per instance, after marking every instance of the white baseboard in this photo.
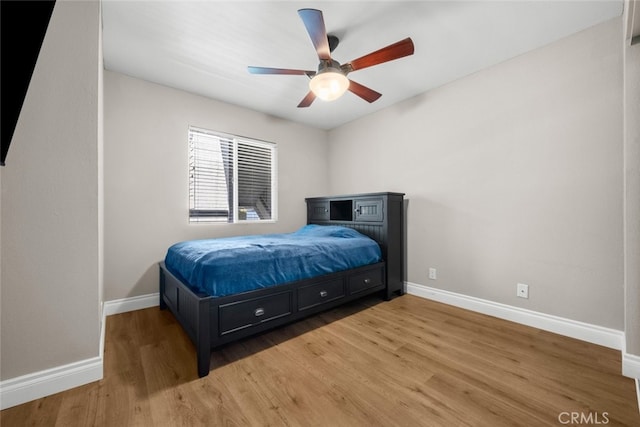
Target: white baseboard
(583, 331)
(26, 388)
(630, 365)
(29, 387)
(130, 304)
(33, 386)
(23, 389)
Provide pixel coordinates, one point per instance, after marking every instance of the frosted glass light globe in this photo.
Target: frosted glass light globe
(329, 85)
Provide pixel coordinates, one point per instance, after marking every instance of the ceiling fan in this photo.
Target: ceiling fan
(330, 81)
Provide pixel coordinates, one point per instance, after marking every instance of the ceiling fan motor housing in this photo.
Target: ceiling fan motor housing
(329, 65)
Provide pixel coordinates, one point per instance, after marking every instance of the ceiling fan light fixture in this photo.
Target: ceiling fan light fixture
(329, 84)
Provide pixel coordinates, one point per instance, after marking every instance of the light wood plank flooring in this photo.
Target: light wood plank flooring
(407, 362)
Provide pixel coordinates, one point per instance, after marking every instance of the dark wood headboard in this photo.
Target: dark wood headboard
(377, 215)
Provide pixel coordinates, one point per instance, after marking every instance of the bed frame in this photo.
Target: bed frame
(212, 322)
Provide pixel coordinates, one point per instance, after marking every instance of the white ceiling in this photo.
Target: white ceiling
(205, 47)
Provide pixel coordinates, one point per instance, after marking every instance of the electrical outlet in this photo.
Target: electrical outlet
(433, 274)
(522, 290)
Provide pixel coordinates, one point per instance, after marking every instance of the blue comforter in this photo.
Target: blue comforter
(231, 265)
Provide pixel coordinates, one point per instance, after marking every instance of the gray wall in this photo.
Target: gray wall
(513, 174)
(50, 210)
(146, 175)
(632, 193)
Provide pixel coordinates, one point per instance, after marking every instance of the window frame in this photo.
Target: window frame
(235, 208)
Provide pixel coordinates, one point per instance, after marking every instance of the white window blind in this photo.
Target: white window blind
(231, 178)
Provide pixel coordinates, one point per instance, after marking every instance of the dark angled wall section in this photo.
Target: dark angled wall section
(23, 25)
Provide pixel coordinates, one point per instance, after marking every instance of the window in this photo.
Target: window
(231, 178)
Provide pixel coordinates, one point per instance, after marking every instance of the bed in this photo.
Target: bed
(211, 288)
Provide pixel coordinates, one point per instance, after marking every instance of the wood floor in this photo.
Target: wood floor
(407, 362)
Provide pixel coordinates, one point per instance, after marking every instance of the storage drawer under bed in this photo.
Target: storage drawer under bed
(246, 313)
(320, 293)
(366, 279)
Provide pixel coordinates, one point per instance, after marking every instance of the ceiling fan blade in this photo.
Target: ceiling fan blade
(363, 92)
(393, 51)
(307, 100)
(267, 70)
(314, 22)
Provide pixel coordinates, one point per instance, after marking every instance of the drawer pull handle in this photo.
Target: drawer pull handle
(367, 280)
(323, 294)
(259, 312)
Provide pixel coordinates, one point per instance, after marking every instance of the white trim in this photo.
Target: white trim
(23, 389)
(583, 331)
(638, 392)
(103, 329)
(33, 386)
(29, 387)
(131, 304)
(630, 365)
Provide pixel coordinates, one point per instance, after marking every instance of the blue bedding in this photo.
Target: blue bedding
(231, 265)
